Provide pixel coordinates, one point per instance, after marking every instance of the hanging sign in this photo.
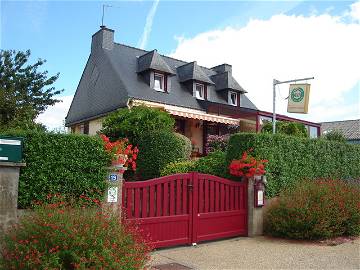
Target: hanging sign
(298, 101)
(112, 194)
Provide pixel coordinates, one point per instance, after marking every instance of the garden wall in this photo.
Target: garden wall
(292, 159)
(61, 163)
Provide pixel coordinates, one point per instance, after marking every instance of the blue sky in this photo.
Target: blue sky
(60, 31)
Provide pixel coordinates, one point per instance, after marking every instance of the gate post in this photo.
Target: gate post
(114, 192)
(255, 211)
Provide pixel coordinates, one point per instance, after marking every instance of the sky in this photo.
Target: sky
(262, 40)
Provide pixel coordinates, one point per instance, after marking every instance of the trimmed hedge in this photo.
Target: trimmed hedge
(156, 150)
(292, 159)
(61, 163)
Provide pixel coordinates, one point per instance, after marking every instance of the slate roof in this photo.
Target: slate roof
(110, 78)
(349, 128)
(225, 81)
(191, 71)
(153, 61)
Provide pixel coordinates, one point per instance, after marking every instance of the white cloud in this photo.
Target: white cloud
(288, 47)
(355, 11)
(148, 25)
(54, 116)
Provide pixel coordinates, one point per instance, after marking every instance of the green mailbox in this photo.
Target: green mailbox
(11, 149)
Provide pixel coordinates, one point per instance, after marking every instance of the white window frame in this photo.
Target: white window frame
(162, 82)
(230, 100)
(202, 91)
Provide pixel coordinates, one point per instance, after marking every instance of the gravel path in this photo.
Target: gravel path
(259, 253)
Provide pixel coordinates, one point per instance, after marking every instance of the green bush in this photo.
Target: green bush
(214, 164)
(156, 150)
(57, 163)
(315, 210)
(292, 159)
(56, 236)
(287, 128)
(335, 135)
(133, 123)
(186, 144)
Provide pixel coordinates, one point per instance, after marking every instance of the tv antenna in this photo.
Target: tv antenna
(103, 14)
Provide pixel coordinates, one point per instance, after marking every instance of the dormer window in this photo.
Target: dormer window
(199, 91)
(233, 98)
(159, 82)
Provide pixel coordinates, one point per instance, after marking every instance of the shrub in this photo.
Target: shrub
(57, 163)
(213, 164)
(57, 236)
(287, 128)
(186, 144)
(156, 150)
(315, 210)
(292, 159)
(335, 135)
(133, 123)
(217, 143)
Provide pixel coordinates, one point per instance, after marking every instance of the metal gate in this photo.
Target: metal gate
(187, 208)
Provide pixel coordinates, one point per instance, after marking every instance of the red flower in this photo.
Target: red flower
(247, 166)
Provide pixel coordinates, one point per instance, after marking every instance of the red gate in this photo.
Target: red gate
(187, 208)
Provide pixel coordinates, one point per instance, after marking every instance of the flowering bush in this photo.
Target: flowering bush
(216, 143)
(57, 236)
(315, 210)
(121, 152)
(247, 166)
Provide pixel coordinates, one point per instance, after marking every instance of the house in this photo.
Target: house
(202, 100)
(349, 128)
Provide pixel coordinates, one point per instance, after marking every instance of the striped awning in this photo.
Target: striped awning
(190, 113)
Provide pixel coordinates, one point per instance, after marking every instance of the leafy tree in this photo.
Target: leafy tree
(287, 128)
(25, 92)
(135, 122)
(335, 135)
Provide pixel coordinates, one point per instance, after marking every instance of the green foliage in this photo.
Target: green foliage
(186, 144)
(57, 163)
(287, 128)
(156, 150)
(315, 210)
(56, 236)
(335, 135)
(25, 92)
(132, 124)
(292, 159)
(214, 164)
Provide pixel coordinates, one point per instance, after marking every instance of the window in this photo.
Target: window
(313, 132)
(159, 82)
(199, 91)
(233, 98)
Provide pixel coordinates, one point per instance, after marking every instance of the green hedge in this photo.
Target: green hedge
(156, 150)
(292, 159)
(58, 163)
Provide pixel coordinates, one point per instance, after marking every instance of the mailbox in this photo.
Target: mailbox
(259, 194)
(11, 149)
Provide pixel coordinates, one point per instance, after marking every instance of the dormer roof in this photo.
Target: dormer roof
(153, 61)
(191, 71)
(225, 80)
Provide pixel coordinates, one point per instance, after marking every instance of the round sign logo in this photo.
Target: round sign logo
(297, 94)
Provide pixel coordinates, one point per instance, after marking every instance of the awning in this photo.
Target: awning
(189, 113)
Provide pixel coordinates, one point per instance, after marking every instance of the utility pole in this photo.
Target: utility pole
(276, 82)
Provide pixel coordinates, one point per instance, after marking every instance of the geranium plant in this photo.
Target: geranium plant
(121, 151)
(247, 166)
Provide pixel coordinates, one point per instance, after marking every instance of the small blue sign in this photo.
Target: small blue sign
(113, 177)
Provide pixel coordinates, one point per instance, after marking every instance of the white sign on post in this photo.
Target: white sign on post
(112, 194)
(260, 197)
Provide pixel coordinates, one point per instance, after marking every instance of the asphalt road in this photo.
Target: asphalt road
(259, 253)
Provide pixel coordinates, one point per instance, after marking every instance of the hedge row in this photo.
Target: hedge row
(61, 163)
(292, 159)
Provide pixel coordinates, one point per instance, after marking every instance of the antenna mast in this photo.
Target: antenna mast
(103, 15)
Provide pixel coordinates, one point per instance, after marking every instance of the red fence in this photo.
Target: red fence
(187, 208)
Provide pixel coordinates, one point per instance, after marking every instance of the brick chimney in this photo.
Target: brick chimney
(103, 39)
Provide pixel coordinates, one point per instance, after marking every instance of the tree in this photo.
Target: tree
(335, 135)
(287, 128)
(25, 92)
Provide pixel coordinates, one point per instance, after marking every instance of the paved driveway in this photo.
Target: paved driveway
(259, 253)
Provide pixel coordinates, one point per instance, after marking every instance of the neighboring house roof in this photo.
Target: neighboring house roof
(349, 128)
(191, 71)
(153, 61)
(111, 77)
(225, 81)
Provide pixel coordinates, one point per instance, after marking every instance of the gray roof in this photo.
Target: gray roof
(191, 71)
(110, 78)
(349, 128)
(153, 61)
(225, 81)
